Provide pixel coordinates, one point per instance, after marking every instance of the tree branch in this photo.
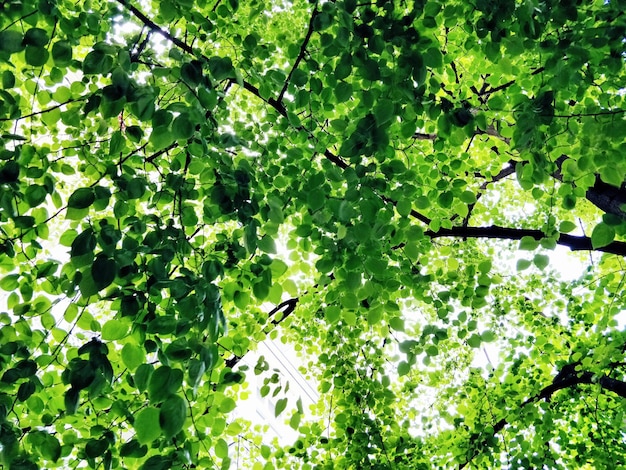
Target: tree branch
(604, 196)
(155, 27)
(574, 243)
(568, 377)
(287, 307)
(303, 47)
(47, 110)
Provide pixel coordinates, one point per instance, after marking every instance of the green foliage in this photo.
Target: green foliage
(384, 186)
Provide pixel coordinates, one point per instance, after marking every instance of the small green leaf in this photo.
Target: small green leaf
(221, 68)
(333, 313)
(96, 447)
(143, 375)
(374, 315)
(103, 271)
(24, 221)
(83, 243)
(114, 330)
(36, 37)
(468, 197)
(528, 243)
(191, 72)
(404, 207)
(343, 92)
(221, 448)
(182, 127)
(403, 368)
(523, 264)
(474, 341)
(11, 41)
(173, 415)
(132, 356)
(488, 336)
(445, 199)
(62, 53)
(9, 282)
(267, 244)
(281, 404)
(602, 235)
(566, 226)
(81, 198)
(8, 79)
(396, 323)
(147, 425)
(72, 397)
(35, 194)
(164, 381)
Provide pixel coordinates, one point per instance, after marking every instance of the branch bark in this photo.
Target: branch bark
(604, 196)
(572, 242)
(303, 47)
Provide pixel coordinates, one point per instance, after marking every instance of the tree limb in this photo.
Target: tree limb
(303, 47)
(574, 243)
(565, 379)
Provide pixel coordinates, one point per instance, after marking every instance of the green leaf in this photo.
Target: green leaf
(182, 127)
(147, 425)
(474, 341)
(62, 53)
(81, 198)
(403, 368)
(83, 244)
(221, 68)
(332, 313)
(133, 449)
(132, 356)
(528, 243)
(114, 330)
(191, 72)
(96, 447)
(36, 37)
(143, 374)
(281, 404)
(97, 63)
(35, 194)
(11, 41)
(103, 271)
(468, 197)
(9, 282)
(602, 235)
(221, 448)
(267, 244)
(566, 226)
(164, 382)
(404, 207)
(541, 261)
(343, 92)
(172, 415)
(488, 336)
(8, 79)
(72, 397)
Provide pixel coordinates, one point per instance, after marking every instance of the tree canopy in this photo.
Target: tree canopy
(382, 185)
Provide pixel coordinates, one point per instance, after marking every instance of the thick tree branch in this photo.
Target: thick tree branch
(604, 196)
(572, 242)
